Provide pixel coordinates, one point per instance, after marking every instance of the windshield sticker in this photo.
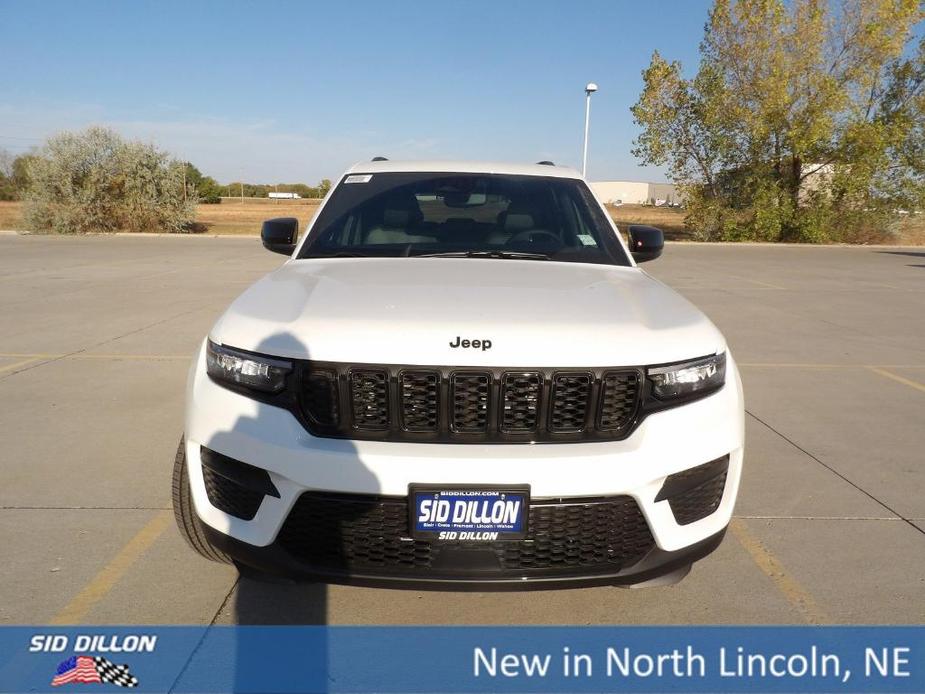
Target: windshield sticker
(358, 179)
(587, 240)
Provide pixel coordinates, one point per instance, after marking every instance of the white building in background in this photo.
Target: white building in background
(635, 192)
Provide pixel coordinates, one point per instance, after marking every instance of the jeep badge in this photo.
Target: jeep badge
(471, 344)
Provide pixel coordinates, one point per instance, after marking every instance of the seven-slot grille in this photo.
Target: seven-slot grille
(405, 403)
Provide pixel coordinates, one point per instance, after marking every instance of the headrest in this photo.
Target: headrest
(396, 218)
(514, 221)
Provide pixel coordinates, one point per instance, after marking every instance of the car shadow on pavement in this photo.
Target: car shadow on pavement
(259, 602)
(914, 254)
(267, 600)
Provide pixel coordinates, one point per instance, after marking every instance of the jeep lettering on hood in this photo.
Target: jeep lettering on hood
(473, 344)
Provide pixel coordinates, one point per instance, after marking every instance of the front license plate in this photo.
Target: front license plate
(471, 514)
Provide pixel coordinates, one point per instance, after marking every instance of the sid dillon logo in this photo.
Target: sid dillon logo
(86, 669)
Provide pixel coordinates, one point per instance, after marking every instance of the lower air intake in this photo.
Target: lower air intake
(370, 535)
(230, 497)
(695, 493)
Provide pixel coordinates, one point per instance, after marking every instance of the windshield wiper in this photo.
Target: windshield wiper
(503, 255)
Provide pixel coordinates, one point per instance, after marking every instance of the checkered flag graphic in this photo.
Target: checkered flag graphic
(114, 674)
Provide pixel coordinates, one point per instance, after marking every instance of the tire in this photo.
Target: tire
(185, 514)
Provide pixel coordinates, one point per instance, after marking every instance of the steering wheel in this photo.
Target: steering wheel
(534, 236)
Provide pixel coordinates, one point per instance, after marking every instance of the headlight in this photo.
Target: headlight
(227, 365)
(687, 378)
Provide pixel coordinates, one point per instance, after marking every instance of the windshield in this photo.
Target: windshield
(477, 215)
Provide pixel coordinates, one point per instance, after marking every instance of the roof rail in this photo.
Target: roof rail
(380, 159)
(545, 162)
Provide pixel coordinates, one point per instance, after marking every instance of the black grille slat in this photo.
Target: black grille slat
(319, 397)
(470, 394)
(447, 404)
(619, 398)
(419, 399)
(570, 397)
(520, 401)
(370, 534)
(369, 396)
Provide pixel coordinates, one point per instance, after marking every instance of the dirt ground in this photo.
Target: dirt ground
(234, 216)
(669, 219)
(10, 215)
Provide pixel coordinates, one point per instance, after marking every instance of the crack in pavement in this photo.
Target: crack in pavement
(205, 633)
(899, 516)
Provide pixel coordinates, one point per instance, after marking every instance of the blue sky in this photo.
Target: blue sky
(279, 91)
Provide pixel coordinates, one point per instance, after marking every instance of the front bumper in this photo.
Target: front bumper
(297, 463)
(273, 560)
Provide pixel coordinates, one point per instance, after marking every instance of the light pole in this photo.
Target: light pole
(590, 88)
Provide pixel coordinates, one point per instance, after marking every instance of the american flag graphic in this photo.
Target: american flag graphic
(87, 669)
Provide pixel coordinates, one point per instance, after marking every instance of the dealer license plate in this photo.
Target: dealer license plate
(472, 514)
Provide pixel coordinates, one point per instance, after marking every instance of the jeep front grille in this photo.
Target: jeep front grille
(462, 405)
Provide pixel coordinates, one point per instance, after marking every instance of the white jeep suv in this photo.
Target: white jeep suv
(461, 379)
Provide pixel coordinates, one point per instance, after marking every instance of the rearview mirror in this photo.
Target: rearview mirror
(646, 243)
(279, 234)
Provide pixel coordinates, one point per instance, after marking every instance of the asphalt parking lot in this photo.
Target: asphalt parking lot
(95, 340)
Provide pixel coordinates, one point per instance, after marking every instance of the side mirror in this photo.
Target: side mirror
(279, 235)
(646, 243)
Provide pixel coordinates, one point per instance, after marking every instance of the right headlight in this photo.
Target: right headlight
(679, 381)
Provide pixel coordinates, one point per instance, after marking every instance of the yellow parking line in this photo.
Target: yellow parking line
(797, 365)
(155, 357)
(898, 379)
(17, 364)
(84, 355)
(109, 575)
(766, 285)
(786, 365)
(795, 594)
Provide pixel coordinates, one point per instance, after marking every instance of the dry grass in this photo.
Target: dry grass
(10, 215)
(234, 217)
(230, 217)
(911, 231)
(669, 219)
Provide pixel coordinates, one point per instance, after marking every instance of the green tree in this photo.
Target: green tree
(206, 189)
(21, 177)
(7, 187)
(800, 123)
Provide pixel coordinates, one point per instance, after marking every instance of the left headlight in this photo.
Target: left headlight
(255, 371)
(679, 381)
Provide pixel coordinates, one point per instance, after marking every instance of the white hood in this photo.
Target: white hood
(409, 310)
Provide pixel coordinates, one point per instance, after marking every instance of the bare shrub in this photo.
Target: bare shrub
(94, 181)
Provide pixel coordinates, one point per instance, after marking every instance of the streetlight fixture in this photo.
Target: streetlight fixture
(590, 88)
